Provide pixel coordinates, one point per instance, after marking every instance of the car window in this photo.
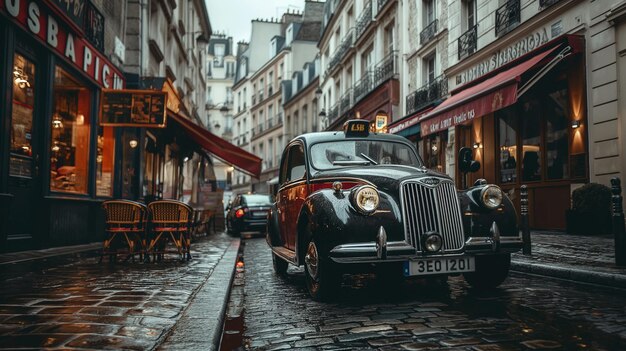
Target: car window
(256, 200)
(337, 154)
(296, 165)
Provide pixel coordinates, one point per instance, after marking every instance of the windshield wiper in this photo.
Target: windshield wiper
(351, 163)
(369, 158)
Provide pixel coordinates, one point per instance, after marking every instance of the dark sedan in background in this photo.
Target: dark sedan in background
(248, 212)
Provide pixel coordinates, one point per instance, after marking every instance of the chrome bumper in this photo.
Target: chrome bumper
(381, 251)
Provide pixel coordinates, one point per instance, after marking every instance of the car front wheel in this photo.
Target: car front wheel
(321, 275)
(491, 271)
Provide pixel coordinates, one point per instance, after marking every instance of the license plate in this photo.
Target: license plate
(259, 214)
(439, 265)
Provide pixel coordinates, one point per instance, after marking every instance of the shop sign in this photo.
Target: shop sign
(39, 21)
(466, 112)
(506, 55)
(73, 9)
(133, 108)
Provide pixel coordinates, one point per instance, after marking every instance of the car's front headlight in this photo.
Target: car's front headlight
(491, 196)
(365, 198)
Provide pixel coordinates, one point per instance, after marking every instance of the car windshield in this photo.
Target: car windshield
(337, 154)
(257, 200)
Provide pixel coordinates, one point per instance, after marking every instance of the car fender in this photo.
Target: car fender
(482, 218)
(273, 236)
(326, 214)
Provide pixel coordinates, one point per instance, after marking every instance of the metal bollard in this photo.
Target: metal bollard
(526, 250)
(618, 223)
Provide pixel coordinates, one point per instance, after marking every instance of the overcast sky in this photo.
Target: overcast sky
(234, 16)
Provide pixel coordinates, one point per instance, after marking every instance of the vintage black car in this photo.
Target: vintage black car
(353, 199)
(248, 212)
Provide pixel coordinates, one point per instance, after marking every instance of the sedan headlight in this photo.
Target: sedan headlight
(365, 199)
(491, 196)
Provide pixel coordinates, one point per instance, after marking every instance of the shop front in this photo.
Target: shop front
(55, 162)
(526, 122)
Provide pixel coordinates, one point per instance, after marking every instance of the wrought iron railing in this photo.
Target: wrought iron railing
(507, 17)
(547, 3)
(333, 113)
(427, 94)
(467, 42)
(429, 32)
(365, 18)
(345, 103)
(386, 68)
(342, 49)
(364, 85)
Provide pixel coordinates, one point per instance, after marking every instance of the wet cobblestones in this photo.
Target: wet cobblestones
(86, 305)
(526, 313)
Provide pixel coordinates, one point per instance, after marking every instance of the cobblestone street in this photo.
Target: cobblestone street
(83, 304)
(526, 313)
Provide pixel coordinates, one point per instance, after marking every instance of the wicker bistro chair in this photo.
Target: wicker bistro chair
(125, 225)
(170, 220)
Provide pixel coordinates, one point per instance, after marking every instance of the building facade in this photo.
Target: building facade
(359, 60)
(532, 88)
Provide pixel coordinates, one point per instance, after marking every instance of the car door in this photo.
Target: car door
(292, 192)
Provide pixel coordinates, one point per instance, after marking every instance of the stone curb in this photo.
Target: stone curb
(90, 249)
(200, 327)
(570, 273)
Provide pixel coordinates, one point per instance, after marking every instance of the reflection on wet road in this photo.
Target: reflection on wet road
(526, 313)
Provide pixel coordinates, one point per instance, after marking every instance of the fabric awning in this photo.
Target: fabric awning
(220, 148)
(490, 95)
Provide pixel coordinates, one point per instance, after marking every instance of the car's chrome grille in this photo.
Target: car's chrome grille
(432, 208)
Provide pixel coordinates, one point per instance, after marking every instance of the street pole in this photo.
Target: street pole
(526, 250)
(618, 223)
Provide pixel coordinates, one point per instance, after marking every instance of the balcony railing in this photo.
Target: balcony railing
(363, 86)
(333, 113)
(547, 3)
(429, 32)
(467, 43)
(346, 102)
(507, 17)
(427, 94)
(386, 68)
(364, 20)
(342, 49)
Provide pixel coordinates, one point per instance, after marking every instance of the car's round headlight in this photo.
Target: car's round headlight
(366, 199)
(491, 196)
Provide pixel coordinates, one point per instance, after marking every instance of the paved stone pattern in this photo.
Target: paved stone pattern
(526, 313)
(87, 305)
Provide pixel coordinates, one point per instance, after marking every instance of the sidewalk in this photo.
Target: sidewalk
(63, 298)
(587, 259)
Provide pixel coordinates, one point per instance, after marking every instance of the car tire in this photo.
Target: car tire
(280, 265)
(321, 275)
(491, 271)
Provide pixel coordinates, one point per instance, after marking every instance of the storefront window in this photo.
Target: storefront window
(22, 117)
(507, 129)
(130, 164)
(105, 161)
(69, 160)
(433, 153)
(557, 134)
(531, 140)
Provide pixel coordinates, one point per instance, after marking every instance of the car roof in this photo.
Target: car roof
(312, 138)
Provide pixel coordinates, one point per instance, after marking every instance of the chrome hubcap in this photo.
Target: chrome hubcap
(312, 260)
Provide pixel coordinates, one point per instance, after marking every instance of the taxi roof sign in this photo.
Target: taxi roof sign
(356, 128)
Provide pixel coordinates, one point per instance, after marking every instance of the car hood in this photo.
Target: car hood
(384, 177)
